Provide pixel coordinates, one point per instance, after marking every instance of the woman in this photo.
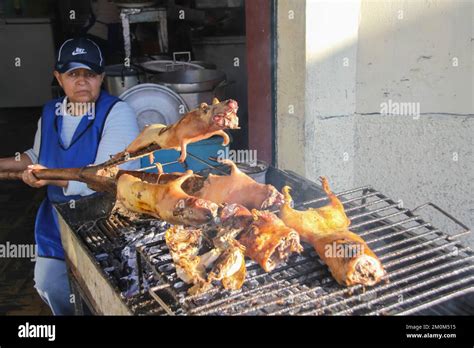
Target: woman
(85, 127)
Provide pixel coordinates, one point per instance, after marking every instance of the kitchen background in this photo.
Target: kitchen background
(207, 36)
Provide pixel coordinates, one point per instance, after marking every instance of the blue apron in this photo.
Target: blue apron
(81, 152)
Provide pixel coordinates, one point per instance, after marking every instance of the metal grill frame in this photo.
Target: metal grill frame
(427, 249)
(424, 247)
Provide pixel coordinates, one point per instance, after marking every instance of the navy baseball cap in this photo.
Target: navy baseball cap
(79, 53)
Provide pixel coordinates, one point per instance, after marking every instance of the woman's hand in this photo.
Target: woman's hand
(30, 179)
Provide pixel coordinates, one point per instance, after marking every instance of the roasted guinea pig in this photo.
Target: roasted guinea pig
(228, 265)
(198, 124)
(234, 218)
(184, 245)
(167, 202)
(268, 241)
(348, 257)
(239, 188)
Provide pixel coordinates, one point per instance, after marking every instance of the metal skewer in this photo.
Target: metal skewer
(207, 163)
(154, 166)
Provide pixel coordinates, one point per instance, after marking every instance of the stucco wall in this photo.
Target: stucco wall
(399, 51)
(421, 52)
(316, 78)
(330, 104)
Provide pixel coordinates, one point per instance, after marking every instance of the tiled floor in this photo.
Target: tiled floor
(18, 205)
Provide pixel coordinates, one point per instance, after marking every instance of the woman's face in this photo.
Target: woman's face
(80, 85)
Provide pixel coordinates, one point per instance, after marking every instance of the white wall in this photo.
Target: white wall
(331, 56)
(422, 52)
(359, 54)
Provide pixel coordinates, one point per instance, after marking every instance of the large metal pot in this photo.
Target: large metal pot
(183, 76)
(205, 65)
(187, 59)
(119, 78)
(162, 66)
(148, 58)
(190, 81)
(154, 67)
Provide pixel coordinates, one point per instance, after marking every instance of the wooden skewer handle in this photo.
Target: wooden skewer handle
(77, 174)
(11, 175)
(58, 174)
(45, 174)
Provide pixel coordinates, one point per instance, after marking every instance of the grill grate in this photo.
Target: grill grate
(425, 267)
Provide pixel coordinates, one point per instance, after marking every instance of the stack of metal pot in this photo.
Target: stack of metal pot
(194, 81)
(119, 78)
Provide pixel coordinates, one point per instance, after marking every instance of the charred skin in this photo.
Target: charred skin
(234, 218)
(230, 267)
(167, 202)
(347, 256)
(268, 241)
(241, 189)
(198, 124)
(195, 210)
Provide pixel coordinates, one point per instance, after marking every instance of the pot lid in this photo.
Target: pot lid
(160, 66)
(133, 3)
(154, 103)
(192, 77)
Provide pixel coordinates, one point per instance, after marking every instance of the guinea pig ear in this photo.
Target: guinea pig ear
(215, 101)
(204, 107)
